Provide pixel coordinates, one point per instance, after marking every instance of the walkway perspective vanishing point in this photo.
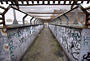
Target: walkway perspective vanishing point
(45, 48)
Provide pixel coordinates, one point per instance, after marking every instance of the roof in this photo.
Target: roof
(44, 2)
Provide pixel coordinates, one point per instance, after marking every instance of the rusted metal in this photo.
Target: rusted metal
(44, 12)
(87, 22)
(42, 16)
(66, 12)
(3, 14)
(87, 15)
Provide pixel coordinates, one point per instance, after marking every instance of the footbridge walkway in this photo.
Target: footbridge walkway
(23, 37)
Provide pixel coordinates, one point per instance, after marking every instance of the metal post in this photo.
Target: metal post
(15, 20)
(4, 25)
(24, 19)
(34, 21)
(67, 19)
(76, 17)
(60, 20)
(31, 20)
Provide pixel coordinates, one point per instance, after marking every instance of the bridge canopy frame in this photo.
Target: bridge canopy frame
(37, 2)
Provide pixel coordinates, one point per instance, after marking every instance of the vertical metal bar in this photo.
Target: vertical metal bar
(22, 1)
(34, 21)
(53, 2)
(67, 19)
(3, 17)
(48, 2)
(1, 2)
(64, 2)
(16, 2)
(32, 1)
(70, 2)
(27, 2)
(37, 21)
(88, 2)
(6, 2)
(24, 19)
(15, 20)
(74, 3)
(58, 2)
(31, 20)
(76, 17)
(60, 20)
(37, 2)
(12, 2)
(42, 1)
(86, 22)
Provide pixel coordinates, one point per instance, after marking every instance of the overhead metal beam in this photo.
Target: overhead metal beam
(44, 12)
(2, 7)
(47, 0)
(12, 1)
(42, 16)
(16, 3)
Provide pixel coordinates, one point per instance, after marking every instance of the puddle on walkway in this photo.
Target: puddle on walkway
(45, 48)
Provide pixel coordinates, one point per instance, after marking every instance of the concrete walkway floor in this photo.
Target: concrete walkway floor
(45, 48)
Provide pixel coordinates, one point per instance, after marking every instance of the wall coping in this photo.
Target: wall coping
(18, 26)
(72, 26)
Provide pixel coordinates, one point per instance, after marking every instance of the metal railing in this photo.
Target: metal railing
(11, 11)
(75, 17)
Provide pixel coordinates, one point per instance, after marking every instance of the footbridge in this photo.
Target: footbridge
(27, 35)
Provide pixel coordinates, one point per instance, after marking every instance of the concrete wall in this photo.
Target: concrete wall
(72, 40)
(15, 41)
